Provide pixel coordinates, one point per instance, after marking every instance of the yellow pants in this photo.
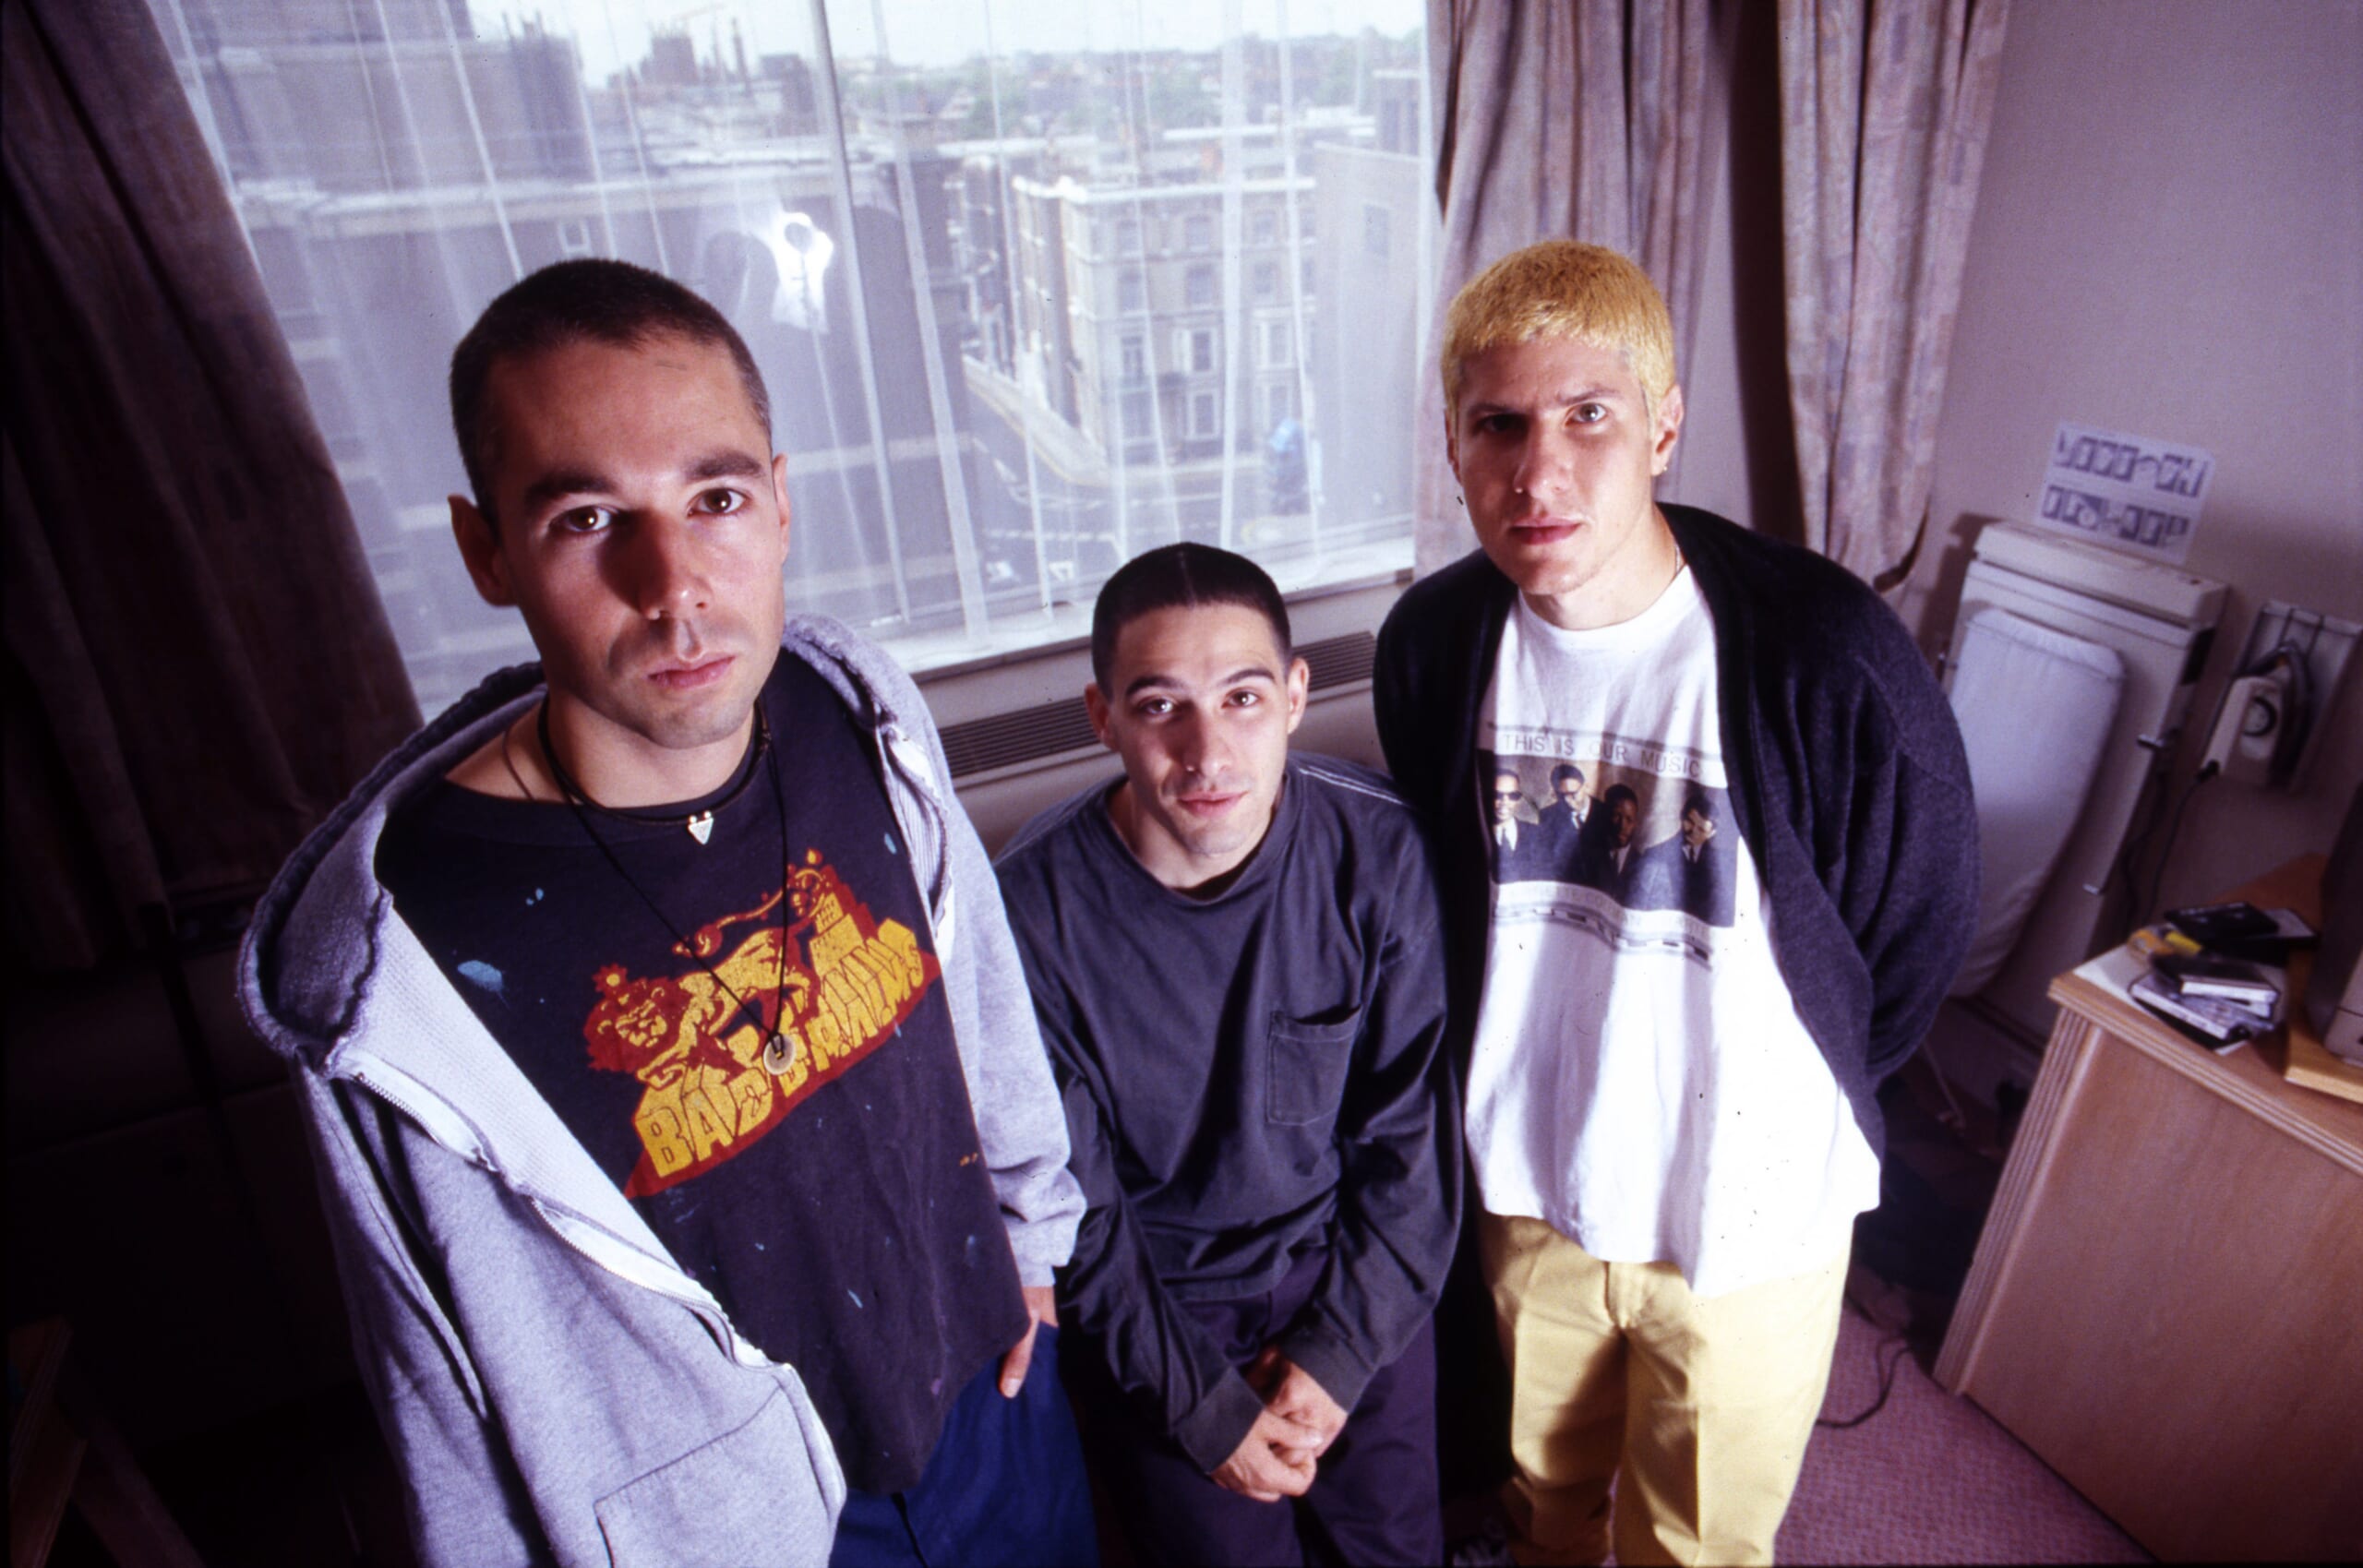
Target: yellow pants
(1706, 1403)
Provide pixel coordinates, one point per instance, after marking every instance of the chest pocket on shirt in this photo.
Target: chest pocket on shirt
(1305, 1067)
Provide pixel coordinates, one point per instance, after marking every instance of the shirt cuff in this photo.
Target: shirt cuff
(1211, 1433)
(1332, 1363)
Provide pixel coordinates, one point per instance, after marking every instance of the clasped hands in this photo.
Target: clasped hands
(1281, 1451)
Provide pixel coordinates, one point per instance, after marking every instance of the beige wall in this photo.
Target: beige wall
(2169, 242)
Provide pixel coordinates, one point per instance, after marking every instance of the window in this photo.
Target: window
(421, 174)
(1279, 403)
(1275, 346)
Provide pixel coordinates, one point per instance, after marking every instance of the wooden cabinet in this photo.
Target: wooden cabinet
(2167, 1300)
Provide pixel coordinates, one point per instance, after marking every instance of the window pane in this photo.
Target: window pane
(987, 292)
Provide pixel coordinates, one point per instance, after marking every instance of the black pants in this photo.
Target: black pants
(1374, 1499)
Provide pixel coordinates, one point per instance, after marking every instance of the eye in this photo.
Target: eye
(1154, 707)
(1246, 699)
(1589, 414)
(721, 503)
(584, 519)
(1497, 425)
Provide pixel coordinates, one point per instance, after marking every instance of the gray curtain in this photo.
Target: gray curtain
(196, 664)
(1885, 111)
(1595, 120)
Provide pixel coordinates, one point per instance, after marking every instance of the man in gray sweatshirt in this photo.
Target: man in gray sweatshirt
(1234, 956)
(695, 1171)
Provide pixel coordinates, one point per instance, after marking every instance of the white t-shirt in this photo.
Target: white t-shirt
(1641, 1078)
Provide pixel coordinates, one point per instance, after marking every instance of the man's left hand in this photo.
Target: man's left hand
(1042, 1306)
(1288, 1390)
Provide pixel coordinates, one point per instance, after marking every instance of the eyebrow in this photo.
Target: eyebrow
(1246, 673)
(727, 464)
(1596, 394)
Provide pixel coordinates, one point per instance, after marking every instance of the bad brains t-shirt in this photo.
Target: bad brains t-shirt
(833, 1200)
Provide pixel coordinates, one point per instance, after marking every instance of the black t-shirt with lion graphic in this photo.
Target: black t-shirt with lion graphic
(838, 1209)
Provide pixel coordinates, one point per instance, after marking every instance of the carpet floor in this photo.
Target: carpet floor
(1930, 1478)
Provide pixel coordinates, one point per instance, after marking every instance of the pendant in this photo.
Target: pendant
(701, 826)
(779, 1055)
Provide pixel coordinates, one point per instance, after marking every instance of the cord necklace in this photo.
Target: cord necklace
(779, 1053)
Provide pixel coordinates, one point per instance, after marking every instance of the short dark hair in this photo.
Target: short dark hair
(1620, 792)
(1565, 772)
(1182, 576)
(590, 297)
(1697, 801)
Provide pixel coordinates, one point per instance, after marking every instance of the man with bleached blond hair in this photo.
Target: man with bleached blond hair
(1670, 1103)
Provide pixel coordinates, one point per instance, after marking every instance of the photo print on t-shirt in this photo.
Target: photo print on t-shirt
(1620, 836)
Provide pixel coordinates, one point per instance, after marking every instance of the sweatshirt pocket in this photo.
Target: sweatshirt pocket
(1305, 1067)
(754, 1495)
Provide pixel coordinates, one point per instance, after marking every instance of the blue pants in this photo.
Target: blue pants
(1006, 1485)
(1374, 1499)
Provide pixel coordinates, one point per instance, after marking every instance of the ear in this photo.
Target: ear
(480, 549)
(779, 493)
(1452, 445)
(1094, 703)
(1668, 430)
(1300, 684)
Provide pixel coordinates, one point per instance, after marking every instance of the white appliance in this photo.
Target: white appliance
(2159, 623)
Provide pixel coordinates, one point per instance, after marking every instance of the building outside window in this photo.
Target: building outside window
(960, 302)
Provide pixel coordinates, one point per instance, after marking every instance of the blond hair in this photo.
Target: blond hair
(1562, 289)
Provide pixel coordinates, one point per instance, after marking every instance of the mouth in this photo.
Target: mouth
(1539, 530)
(1207, 804)
(690, 676)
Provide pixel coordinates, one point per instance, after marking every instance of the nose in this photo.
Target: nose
(662, 568)
(1542, 463)
(1198, 745)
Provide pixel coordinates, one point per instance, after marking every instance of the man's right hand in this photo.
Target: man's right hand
(1258, 1469)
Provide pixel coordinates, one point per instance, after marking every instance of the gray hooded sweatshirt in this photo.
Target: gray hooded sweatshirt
(553, 1385)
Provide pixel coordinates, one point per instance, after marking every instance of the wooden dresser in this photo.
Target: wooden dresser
(2167, 1300)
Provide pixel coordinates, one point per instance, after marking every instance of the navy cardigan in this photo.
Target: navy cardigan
(1846, 772)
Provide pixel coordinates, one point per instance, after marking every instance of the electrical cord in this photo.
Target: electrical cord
(1901, 1347)
(2166, 850)
(1887, 1387)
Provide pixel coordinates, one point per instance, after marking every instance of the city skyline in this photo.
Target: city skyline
(613, 34)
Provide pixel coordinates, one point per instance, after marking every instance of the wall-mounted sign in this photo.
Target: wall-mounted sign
(2128, 492)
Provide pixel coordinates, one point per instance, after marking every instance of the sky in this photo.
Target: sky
(613, 33)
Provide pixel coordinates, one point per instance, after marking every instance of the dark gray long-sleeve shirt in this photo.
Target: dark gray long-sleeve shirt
(1247, 1076)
